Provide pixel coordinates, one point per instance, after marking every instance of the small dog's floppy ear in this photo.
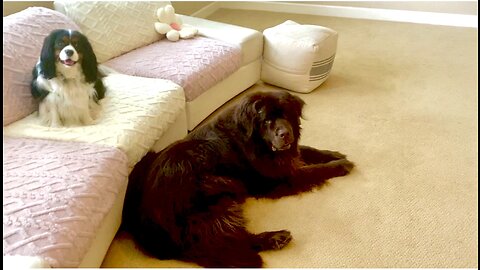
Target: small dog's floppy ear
(47, 56)
(89, 62)
(247, 112)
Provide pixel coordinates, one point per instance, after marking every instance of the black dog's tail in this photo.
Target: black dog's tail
(162, 190)
(154, 240)
(139, 206)
(151, 237)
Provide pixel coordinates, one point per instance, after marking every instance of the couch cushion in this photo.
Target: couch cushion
(23, 35)
(196, 64)
(136, 112)
(249, 40)
(55, 196)
(114, 27)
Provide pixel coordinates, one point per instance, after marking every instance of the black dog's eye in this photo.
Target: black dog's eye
(60, 43)
(267, 122)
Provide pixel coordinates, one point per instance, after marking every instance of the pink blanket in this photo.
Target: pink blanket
(195, 64)
(55, 195)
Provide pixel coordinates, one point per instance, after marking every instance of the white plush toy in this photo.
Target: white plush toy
(170, 25)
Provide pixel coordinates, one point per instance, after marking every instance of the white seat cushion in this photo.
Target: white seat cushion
(136, 112)
(249, 40)
(298, 57)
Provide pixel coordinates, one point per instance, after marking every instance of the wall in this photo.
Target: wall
(189, 7)
(181, 7)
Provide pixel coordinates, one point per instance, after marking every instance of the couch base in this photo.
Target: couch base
(104, 237)
(176, 132)
(110, 225)
(204, 105)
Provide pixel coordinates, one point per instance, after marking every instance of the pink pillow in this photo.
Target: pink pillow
(23, 35)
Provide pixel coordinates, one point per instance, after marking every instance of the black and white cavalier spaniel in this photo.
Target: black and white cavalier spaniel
(66, 80)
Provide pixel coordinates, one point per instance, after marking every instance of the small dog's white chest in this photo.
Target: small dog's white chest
(68, 103)
(71, 94)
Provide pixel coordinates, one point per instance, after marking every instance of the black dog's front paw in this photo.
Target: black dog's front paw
(311, 155)
(343, 166)
(336, 155)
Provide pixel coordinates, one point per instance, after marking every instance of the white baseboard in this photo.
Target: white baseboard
(422, 17)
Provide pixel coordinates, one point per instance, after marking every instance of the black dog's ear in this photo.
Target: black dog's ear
(89, 62)
(247, 112)
(294, 104)
(298, 105)
(47, 56)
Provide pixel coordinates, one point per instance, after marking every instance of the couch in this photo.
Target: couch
(220, 63)
(64, 187)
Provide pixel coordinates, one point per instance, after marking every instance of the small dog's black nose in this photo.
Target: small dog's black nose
(69, 52)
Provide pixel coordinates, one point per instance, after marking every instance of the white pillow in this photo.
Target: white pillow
(298, 57)
(114, 27)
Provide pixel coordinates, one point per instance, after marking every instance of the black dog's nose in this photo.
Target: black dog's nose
(283, 131)
(69, 52)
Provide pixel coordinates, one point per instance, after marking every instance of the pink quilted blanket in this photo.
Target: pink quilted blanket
(195, 64)
(55, 195)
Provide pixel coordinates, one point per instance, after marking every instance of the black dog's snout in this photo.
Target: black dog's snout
(283, 130)
(69, 53)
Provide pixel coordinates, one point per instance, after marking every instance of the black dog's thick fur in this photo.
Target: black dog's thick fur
(186, 202)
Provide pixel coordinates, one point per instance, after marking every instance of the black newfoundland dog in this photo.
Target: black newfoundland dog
(185, 202)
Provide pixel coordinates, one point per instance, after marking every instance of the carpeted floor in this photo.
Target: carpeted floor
(402, 103)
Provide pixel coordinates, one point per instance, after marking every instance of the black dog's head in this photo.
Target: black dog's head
(272, 117)
(63, 50)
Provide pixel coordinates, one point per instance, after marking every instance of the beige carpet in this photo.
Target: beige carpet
(402, 103)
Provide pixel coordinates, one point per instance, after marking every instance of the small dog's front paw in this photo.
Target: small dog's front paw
(48, 122)
(344, 165)
(86, 121)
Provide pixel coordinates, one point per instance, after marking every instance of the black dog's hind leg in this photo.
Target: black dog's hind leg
(217, 237)
(312, 155)
(215, 231)
(237, 248)
(227, 253)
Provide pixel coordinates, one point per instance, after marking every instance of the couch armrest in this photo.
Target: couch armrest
(249, 40)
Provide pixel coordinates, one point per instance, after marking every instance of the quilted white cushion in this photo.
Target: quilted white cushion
(135, 113)
(298, 57)
(114, 27)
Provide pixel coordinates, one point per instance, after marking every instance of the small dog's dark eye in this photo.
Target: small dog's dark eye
(267, 122)
(60, 43)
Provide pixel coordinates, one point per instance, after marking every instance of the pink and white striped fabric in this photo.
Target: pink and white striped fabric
(55, 196)
(195, 64)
